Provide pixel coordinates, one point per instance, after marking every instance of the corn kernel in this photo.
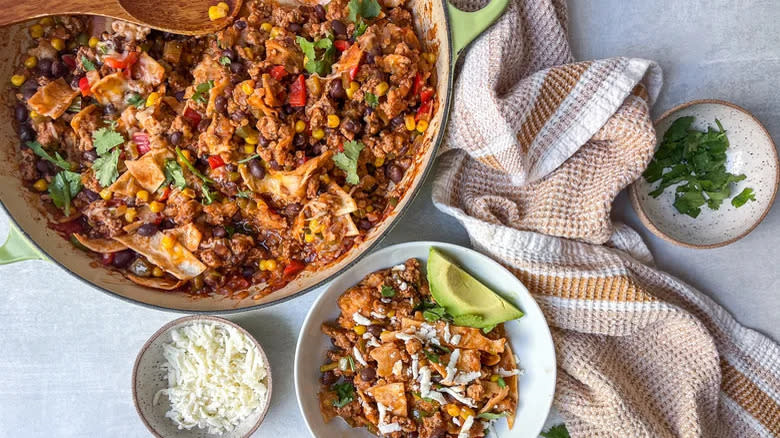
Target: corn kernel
(300, 126)
(234, 176)
(156, 206)
(266, 27)
(333, 121)
(36, 31)
(494, 378)
(453, 410)
(131, 214)
(252, 138)
(188, 192)
(168, 242)
(270, 265)
(105, 194)
(381, 89)
(31, 62)
(315, 226)
(409, 122)
(308, 237)
(353, 87)
(18, 80)
(223, 5)
(276, 31)
(249, 149)
(466, 412)
(142, 195)
(157, 271)
(360, 329)
(422, 125)
(153, 99)
(430, 57)
(41, 185)
(93, 42)
(215, 13)
(369, 209)
(318, 134)
(261, 265)
(247, 88)
(46, 21)
(391, 313)
(57, 43)
(379, 161)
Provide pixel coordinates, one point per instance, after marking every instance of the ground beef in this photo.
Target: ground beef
(102, 219)
(181, 208)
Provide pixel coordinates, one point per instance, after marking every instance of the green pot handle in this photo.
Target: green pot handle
(466, 26)
(18, 248)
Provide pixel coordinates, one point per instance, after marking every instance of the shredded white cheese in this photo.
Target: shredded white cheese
(465, 378)
(358, 356)
(384, 428)
(360, 319)
(415, 366)
(398, 367)
(402, 286)
(455, 340)
(399, 268)
(464, 430)
(509, 373)
(451, 370)
(456, 421)
(425, 387)
(406, 337)
(378, 315)
(216, 379)
(458, 395)
(446, 334)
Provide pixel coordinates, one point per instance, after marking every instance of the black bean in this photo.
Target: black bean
(256, 168)
(167, 224)
(338, 28)
(364, 224)
(204, 124)
(299, 141)
(179, 95)
(149, 229)
(352, 126)
(230, 54)
(26, 132)
(264, 142)
(74, 83)
(30, 87)
(315, 150)
(328, 378)
(274, 165)
(43, 166)
(367, 374)
(20, 112)
(238, 115)
(123, 258)
(370, 58)
(247, 272)
(395, 173)
(294, 28)
(109, 109)
(240, 24)
(91, 196)
(292, 210)
(220, 103)
(90, 155)
(320, 12)
(44, 67)
(219, 232)
(175, 138)
(368, 111)
(375, 329)
(397, 121)
(58, 69)
(336, 90)
(236, 68)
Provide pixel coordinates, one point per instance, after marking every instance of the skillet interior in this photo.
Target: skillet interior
(431, 22)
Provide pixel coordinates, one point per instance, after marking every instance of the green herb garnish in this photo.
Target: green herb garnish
(244, 194)
(192, 168)
(314, 64)
(136, 100)
(87, 64)
(345, 392)
(434, 313)
(558, 431)
(105, 167)
(501, 382)
(200, 91)
(363, 8)
(225, 60)
(63, 188)
(387, 291)
(57, 159)
(695, 160)
(248, 159)
(174, 174)
(75, 106)
(347, 160)
(372, 100)
(360, 28)
(105, 139)
(492, 416)
(745, 196)
(432, 357)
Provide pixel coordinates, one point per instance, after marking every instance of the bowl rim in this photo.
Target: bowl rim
(648, 223)
(181, 321)
(320, 300)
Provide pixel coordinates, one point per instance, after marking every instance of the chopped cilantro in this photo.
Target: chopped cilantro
(314, 64)
(745, 196)
(248, 159)
(501, 382)
(492, 416)
(111, 123)
(75, 106)
(372, 100)
(558, 431)
(433, 357)
(696, 161)
(347, 160)
(57, 159)
(225, 60)
(244, 194)
(174, 174)
(87, 64)
(434, 313)
(105, 139)
(208, 195)
(136, 100)
(387, 291)
(105, 167)
(360, 28)
(63, 188)
(200, 91)
(363, 8)
(351, 363)
(192, 168)
(345, 392)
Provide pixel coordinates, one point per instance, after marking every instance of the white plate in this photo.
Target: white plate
(529, 337)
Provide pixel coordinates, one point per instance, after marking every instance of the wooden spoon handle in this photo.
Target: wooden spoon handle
(15, 11)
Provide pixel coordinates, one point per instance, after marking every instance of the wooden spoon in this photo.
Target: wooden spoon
(186, 17)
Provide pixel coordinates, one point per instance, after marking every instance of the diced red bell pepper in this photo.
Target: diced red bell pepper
(141, 140)
(297, 95)
(69, 60)
(192, 116)
(84, 86)
(424, 112)
(215, 162)
(278, 72)
(165, 193)
(418, 83)
(341, 45)
(121, 63)
(353, 72)
(426, 94)
(107, 258)
(294, 267)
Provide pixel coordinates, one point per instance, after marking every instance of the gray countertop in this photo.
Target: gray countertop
(68, 350)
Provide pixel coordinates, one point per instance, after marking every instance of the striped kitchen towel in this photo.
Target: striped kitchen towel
(537, 148)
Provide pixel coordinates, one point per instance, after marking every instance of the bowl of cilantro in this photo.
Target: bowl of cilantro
(712, 179)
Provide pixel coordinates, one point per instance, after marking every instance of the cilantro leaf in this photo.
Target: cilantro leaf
(174, 174)
(360, 28)
(192, 168)
(492, 416)
(434, 313)
(372, 100)
(558, 431)
(63, 188)
(387, 291)
(345, 392)
(745, 196)
(87, 64)
(136, 100)
(57, 159)
(501, 382)
(208, 195)
(200, 91)
(105, 168)
(105, 139)
(363, 8)
(432, 357)
(225, 60)
(314, 64)
(347, 160)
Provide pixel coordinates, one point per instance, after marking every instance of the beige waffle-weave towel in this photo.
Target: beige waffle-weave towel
(538, 146)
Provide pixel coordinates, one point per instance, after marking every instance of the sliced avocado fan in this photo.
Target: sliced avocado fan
(470, 302)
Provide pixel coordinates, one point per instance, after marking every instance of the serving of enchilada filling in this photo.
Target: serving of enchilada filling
(213, 164)
(401, 368)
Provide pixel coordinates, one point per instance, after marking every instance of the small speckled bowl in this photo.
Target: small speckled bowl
(751, 152)
(149, 377)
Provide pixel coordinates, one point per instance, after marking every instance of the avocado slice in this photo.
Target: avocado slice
(470, 302)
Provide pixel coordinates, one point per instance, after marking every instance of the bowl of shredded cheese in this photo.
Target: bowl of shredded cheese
(202, 376)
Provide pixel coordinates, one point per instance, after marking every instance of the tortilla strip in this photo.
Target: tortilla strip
(471, 338)
(146, 171)
(110, 89)
(508, 363)
(499, 394)
(100, 245)
(189, 235)
(125, 185)
(53, 99)
(178, 261)
(155, 283)
(289, 186)
(391, 395)
(149, 70)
